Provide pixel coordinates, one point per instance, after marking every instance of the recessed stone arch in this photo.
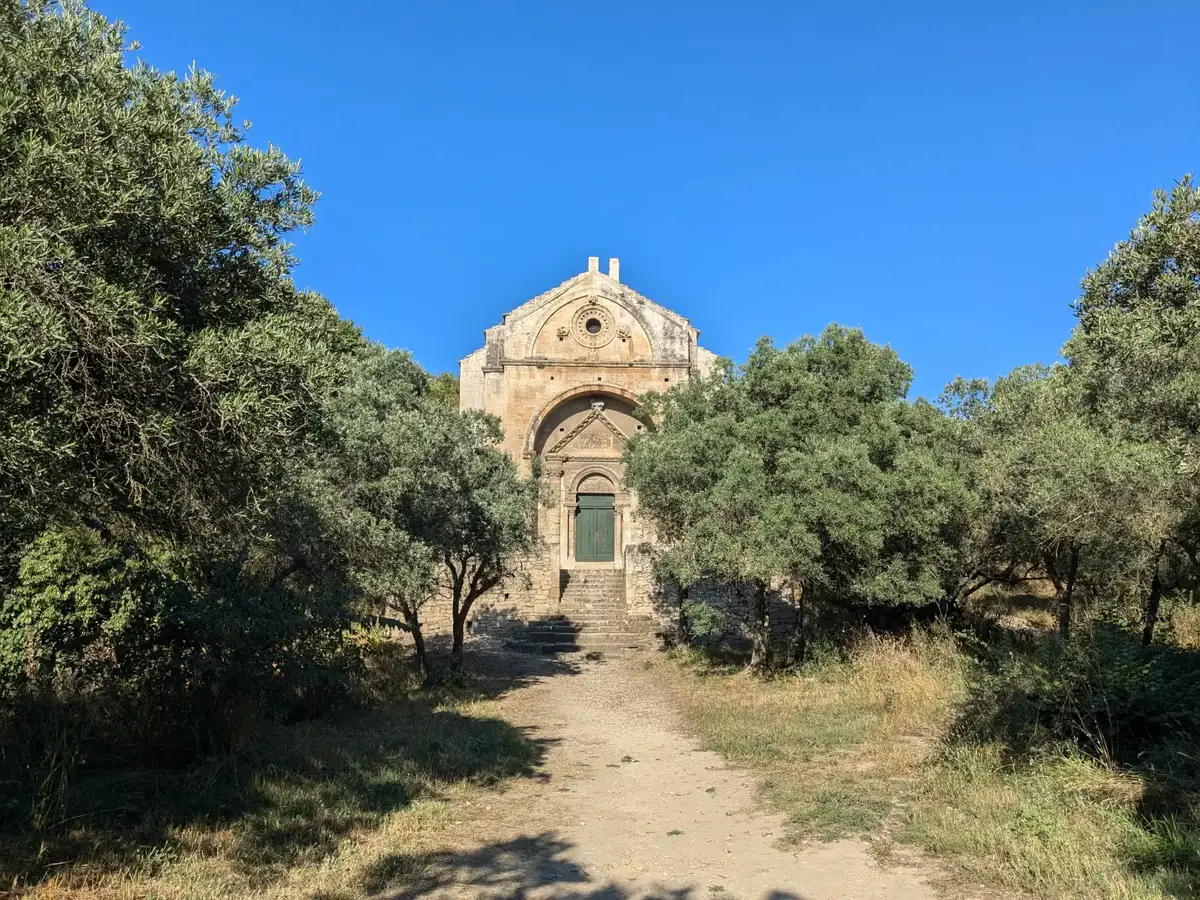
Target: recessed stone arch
(586, 481)
(589, 295)
(582, 390)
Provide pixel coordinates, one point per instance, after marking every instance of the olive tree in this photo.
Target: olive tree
(1061, 493)
(424, 504)
(1136, 355)
(157, 365)
(473, 509)
(806, 465)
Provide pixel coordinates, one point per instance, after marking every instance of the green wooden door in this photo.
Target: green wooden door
(594, 528)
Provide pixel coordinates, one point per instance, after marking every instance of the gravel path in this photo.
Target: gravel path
(625, 807)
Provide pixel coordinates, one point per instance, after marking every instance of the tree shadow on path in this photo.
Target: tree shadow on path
(299, 790)
(530, 867)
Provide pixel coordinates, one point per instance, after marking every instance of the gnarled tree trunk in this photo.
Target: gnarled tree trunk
(800, 633)
(682, 637)
(760, 630)
(1066, 597)
(1153, 601)
(413, 624)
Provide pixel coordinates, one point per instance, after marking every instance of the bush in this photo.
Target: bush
(114, 652)
(1103, 692)
(704, 621)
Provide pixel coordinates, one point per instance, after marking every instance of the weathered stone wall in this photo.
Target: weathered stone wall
(736, 601)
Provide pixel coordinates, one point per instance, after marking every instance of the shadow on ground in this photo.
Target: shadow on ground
(548, 636)
(299, 789)
(534, 866)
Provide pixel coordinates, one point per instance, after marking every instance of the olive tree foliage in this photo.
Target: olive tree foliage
(444, 387)
(426, 506)
(1136, 348)
(1136, 355)
(475, 511)
(160, 380)
(1061, 494)
(360, 477)
(157, 365)
(808, 466)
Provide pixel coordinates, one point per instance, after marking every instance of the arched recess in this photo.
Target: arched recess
(583, 390)
(580, 482)
(598, 329)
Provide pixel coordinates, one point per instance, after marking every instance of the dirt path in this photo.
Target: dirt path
(624, 807)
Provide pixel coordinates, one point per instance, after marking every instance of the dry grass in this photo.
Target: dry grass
(839, 747)
(1182, 623)
(866, 747)
(338, 809)
(1029, 609)
(1060, 828)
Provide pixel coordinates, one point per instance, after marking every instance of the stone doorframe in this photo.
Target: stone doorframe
(577, 477)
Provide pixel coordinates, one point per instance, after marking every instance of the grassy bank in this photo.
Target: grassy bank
(339, 808)
(873, 744)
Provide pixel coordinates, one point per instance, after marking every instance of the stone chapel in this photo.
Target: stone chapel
(563, 373)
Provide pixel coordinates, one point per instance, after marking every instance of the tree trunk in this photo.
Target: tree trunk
(1052, 573)
(456, 648)
(462, 611)
(682, 638)
(760, 632)
(414, 628)
(1065, 599)
(1152, 602)
(800, 635)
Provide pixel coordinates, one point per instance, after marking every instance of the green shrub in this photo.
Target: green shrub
(1103, 692)
(704, 621)
(112, 652)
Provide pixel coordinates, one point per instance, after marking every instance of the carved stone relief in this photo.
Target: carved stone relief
(593, 326)
(595, 484)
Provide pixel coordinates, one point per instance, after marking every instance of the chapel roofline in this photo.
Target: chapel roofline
(593, 277)
(590, 283)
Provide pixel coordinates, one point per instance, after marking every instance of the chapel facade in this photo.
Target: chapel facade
(563, 372)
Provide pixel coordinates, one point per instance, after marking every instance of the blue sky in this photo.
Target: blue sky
(941, 174)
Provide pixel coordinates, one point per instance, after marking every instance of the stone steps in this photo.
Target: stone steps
(591, 639)
(615, 623)
(591, 615)
(582, 634)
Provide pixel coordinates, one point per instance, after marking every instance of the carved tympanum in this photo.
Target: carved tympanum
(596, 484)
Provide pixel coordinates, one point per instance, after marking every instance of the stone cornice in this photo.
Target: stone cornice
(542, 362)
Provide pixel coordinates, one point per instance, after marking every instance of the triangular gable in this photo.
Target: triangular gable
(595, 432)
(597, 284)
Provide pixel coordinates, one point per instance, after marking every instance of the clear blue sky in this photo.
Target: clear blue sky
(941, 174)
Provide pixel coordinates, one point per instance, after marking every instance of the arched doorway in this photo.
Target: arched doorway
(580, 440)
(595, 527)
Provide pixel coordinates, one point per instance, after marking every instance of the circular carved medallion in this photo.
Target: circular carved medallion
(592, 326)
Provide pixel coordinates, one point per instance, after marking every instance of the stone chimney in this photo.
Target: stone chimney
(614, 268)
(593, 264)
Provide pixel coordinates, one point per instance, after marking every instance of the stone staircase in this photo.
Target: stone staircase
(591, 616)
